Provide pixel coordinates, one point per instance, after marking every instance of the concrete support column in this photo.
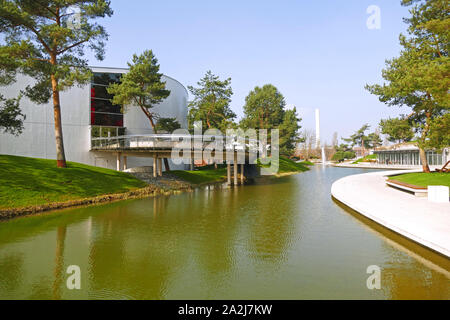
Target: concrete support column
(125, 164)
(242, 174)
(155, 166)
(235, 169)
(160, 167)
(118, 161)
(229, 174)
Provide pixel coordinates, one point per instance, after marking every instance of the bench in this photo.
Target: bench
(416, 190)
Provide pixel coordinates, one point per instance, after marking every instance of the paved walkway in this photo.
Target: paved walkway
(416, 218)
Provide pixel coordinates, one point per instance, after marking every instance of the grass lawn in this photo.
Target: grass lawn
(205, 175)
(424, 179)
(366, 159)
(287, 165)
(208, 174)
(29, 181)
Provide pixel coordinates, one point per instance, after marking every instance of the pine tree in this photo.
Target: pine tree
(45, 39)
(211, 103)
(420, 77)
(141, 87)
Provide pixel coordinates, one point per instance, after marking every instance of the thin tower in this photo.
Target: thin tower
(317, 128)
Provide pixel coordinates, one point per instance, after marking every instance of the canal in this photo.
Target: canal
(276, 239)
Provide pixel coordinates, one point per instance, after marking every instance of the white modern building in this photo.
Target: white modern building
(88, 113)
(408, 154)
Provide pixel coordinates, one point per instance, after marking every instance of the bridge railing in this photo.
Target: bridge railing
(169, 141)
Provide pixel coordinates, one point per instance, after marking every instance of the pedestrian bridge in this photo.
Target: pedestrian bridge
(234, 150)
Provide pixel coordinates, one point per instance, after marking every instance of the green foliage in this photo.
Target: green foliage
(167, 125)
(141, 86)
(211, 103)
(289, 132)
(11, 116)
(424, 179)
(397, 129)
(439, 136)
(39, 181)
(420, 77)
(359, 138)
(373, 140)
(343, 147)
(343, 155)
(264, 108)
(41, 40)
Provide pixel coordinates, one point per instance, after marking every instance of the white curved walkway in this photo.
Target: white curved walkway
(413, 217)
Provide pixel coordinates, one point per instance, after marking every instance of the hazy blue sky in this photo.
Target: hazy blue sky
(319, 54)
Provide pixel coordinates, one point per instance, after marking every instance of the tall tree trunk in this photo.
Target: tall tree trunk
(150, 118)
(422, 152)
(60, 154)
(423, 158)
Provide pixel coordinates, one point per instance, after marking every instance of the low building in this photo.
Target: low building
(361, 152)
(87, 113)
(408, 154)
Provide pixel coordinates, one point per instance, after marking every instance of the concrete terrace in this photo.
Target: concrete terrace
(416, 218)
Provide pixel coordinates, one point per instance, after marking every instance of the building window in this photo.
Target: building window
(103, 112)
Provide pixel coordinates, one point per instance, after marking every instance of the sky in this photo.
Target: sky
(319, 54)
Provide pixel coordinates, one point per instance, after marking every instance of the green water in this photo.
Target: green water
(277, 239)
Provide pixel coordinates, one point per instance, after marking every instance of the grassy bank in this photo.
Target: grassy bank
(28, 182)
(289, 166)
(29, 185)
(368, 158)
(203, 175)
(424, 179)
(209, 174)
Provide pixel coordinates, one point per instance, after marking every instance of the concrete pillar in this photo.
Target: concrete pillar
(118, 161)
(235, 168)
(155, 166)
(125, 164)
(229, 174)
(242, 174)
(160, 167)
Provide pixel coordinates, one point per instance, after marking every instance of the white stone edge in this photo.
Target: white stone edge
(396, 229)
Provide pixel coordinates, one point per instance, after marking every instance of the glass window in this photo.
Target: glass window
(100, 92)
(106, 119)
(104, 106)
(106, 78)
(103, 112)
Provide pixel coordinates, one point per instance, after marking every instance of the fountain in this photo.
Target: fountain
(324, 158)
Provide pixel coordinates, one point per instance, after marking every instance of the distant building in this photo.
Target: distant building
(361, 152)
(87, 114)
(408, 154)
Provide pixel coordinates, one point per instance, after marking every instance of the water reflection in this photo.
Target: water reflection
(59, 262)
(282, 238)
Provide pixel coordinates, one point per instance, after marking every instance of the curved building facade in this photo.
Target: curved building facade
(87, 113)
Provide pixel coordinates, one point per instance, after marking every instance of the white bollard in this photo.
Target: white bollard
(439, 194)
